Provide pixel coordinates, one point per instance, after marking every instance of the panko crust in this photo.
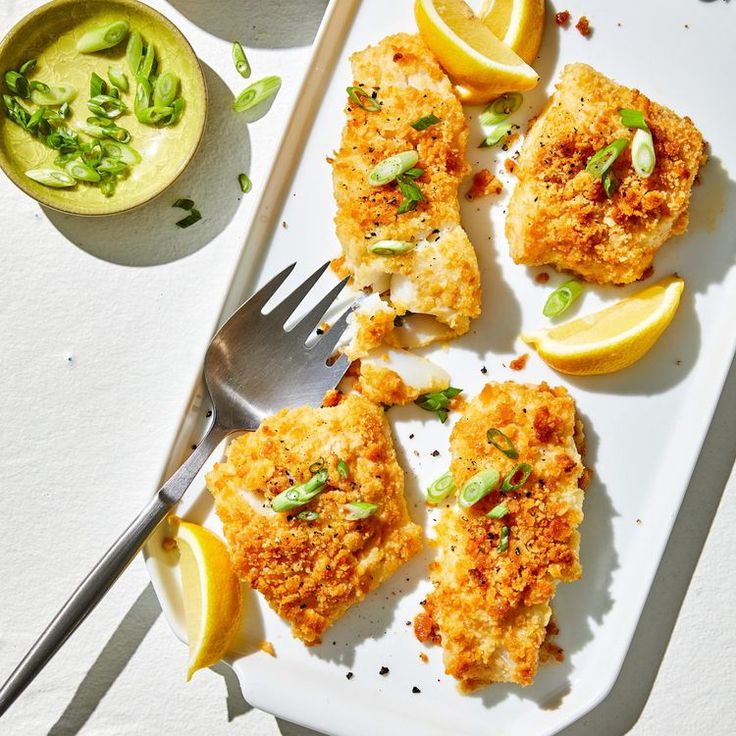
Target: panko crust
(559, 215)
(312, 572)
(489, 609)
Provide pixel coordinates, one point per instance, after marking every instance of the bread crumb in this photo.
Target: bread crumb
(518, 364)
(423, 656)
(266, 646)
(510, 165)
(542, 278)
(562, 17)
(583, 26)
(168, 544)
(484, 184)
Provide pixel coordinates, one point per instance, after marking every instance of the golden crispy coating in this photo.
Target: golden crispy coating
(560, 215)
(311, 572)
(490, 608)
(410, 84)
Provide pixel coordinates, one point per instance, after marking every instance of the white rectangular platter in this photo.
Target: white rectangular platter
(644, 425)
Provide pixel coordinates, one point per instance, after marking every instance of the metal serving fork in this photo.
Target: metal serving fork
(253, 368)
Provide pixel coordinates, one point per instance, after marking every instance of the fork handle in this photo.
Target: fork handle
(108, 569)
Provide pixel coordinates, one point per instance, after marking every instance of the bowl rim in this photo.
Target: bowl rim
(109, 207)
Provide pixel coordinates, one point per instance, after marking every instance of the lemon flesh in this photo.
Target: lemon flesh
(469, 52)
(518, 23)
(212, 595)
(614, 338)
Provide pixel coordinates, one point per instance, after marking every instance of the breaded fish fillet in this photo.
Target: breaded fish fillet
(311, 572)
(490, 606)
(560, 215)
(440, 276)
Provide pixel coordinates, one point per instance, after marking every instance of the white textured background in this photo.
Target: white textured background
(102, 328)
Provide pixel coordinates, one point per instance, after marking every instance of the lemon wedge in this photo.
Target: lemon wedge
(613, 338)
(212, 596)
(518, 23)
(469, 52)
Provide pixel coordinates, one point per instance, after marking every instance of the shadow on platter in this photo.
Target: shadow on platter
(148, 236)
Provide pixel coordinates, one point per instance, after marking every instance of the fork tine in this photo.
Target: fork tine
(258, 300)
(325, 346)
(313, 318)
(285, 309)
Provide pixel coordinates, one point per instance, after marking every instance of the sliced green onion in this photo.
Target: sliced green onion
(438, 402)
(184, 204)
(107, 106)
(479, 486)
(391, 247)
(190, 219)
(307, 515)
(16, 112)
(177, 107)
(498, 133)
(241, 60)
(80, 171)
(516, 478)
(125, 153)
(414, 172)
(359, 510)
(245, 183)
(642, 153)
(148, 63)
(102, 38)
(387, 170)
(154, 115)
(165, 89)
(562, 297)
(296, 496)
(112, 166)
(498, 511)
(35, 119)
(342, 469)
(63, 93)
(315, 467)
(425, 122)
(103, 128)
(64, 109)
(27, 66)
(503, 543)
(40, 86)
(440, 489)
(502, 442)
(97, 85)
(17, 84)
(92, 154)
(134, 52)
(501, 108)
(633, 119)
(610, 183)
(108, 185)
(601, 161)
(63, 139)
(363, 99)
(51, 178)
(117, 77)
(142, 99)
(256, 93)
(412, 194)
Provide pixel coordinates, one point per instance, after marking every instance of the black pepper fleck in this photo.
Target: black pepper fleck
(383, 670)
(415, 690)
(349, 676)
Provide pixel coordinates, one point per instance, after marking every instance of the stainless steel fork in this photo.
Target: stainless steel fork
(253, 367)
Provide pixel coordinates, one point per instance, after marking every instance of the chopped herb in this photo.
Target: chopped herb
(241, 61)
(245, 183)
(498, 133)
(363, 100)
(501, 108)
(440, 489)
(102, 38)
(602, 160)
(296, 496)
(17, 84)
(342, 469)
(643, 157)
(516, 478)
(633, 119)
(479, 486)
(438, 402)
(256, 93)
(498, 511)
(391, 247)
(502, 442)
(562, 297)
(610, 183)
(503, 544)
(412, 194)
(390, 168)
(425, 122)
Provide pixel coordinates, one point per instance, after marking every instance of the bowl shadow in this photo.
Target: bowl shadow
(148, 235)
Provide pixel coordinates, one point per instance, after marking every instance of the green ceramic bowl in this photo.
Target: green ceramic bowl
(49, 34)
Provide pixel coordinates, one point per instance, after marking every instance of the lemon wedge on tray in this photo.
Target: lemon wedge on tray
(469, 52)
(212, 595)
(613, 338)
(518, 23)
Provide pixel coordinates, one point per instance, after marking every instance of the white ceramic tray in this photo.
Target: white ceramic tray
(644, 425)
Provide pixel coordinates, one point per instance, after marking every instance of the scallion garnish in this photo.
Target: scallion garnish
(106, 106)
(425, 122)
(51, 178)
(256, 93)
(241, 61)
(80, 171)
(387, 170)
(142, 99)
(154, 115)
(642, 153)
(117, 77)
(97, 85)
(316, 466)
(102, 38)
(391, 247)
(296, 496)
(17, 84)
(148, 62)
(193, 216)
(412, 194)
(440, 489)
(245, 183)
(501, 108)
(502, 442)
(602, 160)
(27, 67)
(54, 96)
(516, 478)
(16, 112)
(134, 52)
(610, 183)
(363, 99)
(165, 89)
(438, 402)
(498, 511)
(359, 510)
(36, 118)
(39, 86)
(479, 486)
(633, 119)
(561, 298)
(126, 154)
(307, 515)
(415, 172)
(184, 204)
(503, 543)
(342, 469)
(498, 134)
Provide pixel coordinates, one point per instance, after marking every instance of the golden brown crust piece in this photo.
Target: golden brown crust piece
(560, 215)
(489, 608)
(312, 572)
